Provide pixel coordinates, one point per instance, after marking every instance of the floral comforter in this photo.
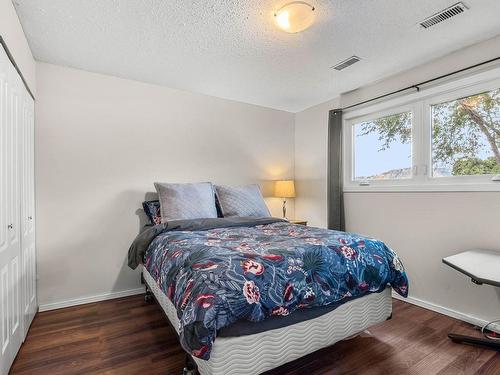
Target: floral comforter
(251, 271)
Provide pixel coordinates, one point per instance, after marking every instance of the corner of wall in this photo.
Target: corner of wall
(12, 33)
(311, 146)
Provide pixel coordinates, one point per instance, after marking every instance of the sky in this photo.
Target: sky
(369, 161)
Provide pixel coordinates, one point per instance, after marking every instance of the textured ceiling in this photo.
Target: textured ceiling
(232, 49)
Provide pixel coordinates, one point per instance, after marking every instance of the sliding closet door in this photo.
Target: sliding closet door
(28, 255)
(10, 244)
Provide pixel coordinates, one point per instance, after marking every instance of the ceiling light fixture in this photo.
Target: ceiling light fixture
(295, 17)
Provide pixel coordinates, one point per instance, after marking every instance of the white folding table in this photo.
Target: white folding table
(483, 267)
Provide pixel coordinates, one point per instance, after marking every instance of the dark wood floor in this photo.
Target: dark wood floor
(129, 336)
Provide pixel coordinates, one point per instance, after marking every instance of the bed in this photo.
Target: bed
(248, 294)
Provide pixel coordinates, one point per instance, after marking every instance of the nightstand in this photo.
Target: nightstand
(300, 222)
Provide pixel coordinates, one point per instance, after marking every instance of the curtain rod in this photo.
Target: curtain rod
(417, 85)
(11, 58)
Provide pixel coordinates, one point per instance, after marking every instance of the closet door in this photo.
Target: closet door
(10, 259)
(28, 255)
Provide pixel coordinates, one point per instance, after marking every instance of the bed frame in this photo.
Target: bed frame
(260, 352)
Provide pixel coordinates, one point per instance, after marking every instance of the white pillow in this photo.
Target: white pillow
(186, 201)
(241, 201)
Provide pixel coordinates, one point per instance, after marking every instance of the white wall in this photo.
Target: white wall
(422, 227)
(457, 60)
(13, 35)
(311, 143)
(102, 141)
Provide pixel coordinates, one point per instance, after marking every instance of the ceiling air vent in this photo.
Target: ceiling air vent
(445, 14)
(344, 64)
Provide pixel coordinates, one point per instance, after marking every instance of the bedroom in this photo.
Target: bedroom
(376, 124)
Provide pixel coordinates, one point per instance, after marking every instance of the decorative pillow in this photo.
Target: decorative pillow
(152, 210)
(241, 201)
(186, 201)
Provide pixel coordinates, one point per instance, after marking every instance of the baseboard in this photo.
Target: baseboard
(446, 311)
(89, 299)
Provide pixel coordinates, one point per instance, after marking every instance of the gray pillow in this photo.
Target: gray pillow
(241, 201)
(186, 201)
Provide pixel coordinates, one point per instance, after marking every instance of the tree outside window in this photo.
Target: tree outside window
(465, 134)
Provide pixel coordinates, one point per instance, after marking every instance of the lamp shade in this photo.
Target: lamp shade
(284, 189)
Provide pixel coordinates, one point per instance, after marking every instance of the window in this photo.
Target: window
(382, 148)
(466, 136)
(442, 138)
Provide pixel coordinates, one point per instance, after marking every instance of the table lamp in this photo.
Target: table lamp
(284, 189)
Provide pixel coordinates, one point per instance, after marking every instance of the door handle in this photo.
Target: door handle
(30, 218)
(10, 226)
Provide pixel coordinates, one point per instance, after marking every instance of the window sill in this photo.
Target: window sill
(485, 187)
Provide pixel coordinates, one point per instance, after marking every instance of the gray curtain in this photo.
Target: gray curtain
(335, 197)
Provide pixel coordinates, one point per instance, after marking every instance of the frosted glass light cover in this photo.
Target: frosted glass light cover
(295, 17)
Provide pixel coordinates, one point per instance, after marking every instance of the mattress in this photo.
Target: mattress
(257, 353)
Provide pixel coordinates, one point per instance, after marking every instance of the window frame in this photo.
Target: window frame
(350, 157)
(420, 105)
